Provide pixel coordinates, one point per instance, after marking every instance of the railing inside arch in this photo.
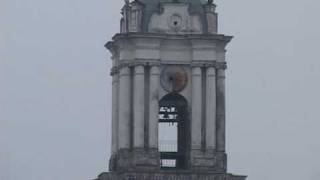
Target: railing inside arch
(173, 131)
(166, 148)
(168, 144)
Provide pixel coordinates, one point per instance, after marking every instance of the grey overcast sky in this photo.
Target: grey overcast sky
(56, 96)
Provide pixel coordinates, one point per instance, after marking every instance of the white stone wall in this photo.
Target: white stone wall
(141, 51)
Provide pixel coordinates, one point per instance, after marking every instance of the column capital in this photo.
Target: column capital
(133, 63)
(155, 70)
(139, 69)
(211, 71)
(124, 64)
(124, 71)
(221, 74)
(115, 79)
(196, 71)
(114, 70)
(221, 65)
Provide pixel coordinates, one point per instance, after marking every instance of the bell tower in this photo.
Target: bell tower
(168, 93)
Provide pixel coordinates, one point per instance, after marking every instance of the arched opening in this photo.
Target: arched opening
(173, 131)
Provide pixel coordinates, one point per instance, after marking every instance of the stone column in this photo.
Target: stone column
(124, 108)
(221, 117)
(138, 106)
(115, 113)
(196, 122)
(154, 106)
(210, 108)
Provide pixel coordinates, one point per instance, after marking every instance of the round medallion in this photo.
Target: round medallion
(175, 21)
(173, 78)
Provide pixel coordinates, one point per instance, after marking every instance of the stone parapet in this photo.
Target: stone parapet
(169, 176)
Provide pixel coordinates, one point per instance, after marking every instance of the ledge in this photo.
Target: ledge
(169, 176)
(160, 36)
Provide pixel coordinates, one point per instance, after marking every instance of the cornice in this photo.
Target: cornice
(218, 37)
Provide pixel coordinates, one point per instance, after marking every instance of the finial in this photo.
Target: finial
(210, 1)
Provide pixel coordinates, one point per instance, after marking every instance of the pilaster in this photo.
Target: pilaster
(115, 112)
(124, 108)
(154, 105)
(196, 120)
(221, 110)
(210, 108)
(138, 106)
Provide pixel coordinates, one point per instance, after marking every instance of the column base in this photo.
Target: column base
(208, 161)
(136, 160)
(169, 176)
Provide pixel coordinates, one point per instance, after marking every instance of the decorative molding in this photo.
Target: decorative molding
(154, 64)
(206, 37)
(144, 62)
(133, 63)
